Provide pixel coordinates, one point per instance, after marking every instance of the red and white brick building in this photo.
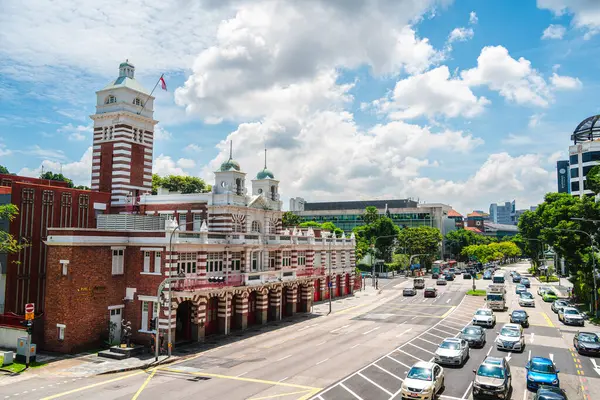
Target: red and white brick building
(235, 263)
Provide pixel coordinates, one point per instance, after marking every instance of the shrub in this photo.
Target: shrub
(547, 279)
(476, 292)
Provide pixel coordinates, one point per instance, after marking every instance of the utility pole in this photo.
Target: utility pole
(330, 283)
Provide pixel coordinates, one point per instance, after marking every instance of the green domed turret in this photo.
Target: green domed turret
(265, 174)
(230, 165)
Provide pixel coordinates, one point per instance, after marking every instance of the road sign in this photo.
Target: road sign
(28, 316)
(29, 308)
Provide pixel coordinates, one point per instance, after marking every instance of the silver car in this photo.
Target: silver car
(452, 351)
(570, 316)
(484, 317)
(526, 300)
(424, 381)
(511, 338)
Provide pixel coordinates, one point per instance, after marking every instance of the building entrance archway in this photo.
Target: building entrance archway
(252, 308)
(234, 320)
(183, 325)
(284, 301)
(317, 293)
(212, 313)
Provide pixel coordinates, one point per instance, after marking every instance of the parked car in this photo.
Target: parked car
(587, 343)
(511, 338)
(520, 289)
(441, 281)
(558, 304)
(550, 393)
(570, 316)
(484, 317)
(452, 351)
(492, 379)
(520, 317)
(474, 335)
(541, 371)
(409, 291)
(543, 289)
(526, 299)
(425, 380)
(467, 275)
(526, 282)
(549, 296)
(487, 275)
(430, 292)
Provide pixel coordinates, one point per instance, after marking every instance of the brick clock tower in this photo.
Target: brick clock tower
(123, 140)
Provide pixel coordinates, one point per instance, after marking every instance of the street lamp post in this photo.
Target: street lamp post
(330, 283)
(593, 245)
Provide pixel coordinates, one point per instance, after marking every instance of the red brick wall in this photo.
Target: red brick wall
(106, 156)
(137, 165)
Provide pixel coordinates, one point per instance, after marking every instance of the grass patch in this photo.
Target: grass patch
(547, 279)
(18, 367)
(476, 292)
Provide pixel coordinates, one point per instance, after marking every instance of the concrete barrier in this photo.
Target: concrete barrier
(9, 336)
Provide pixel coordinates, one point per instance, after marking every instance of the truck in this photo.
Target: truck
(496, 297)
(498, 277)
(419, 283)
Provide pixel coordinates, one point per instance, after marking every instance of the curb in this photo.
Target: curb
(144, 366)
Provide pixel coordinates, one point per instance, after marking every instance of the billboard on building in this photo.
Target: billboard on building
(562, 173)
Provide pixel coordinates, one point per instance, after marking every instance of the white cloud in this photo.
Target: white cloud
(164, 165)
(558, 155)
(79, 172)
(517, 140)
(76, 133)
(272, 58)
(473, 18)
(4, 151)
(162, 134)
(39, 152)
(431, 93)
(535, 119)
(561, 82)
(186, 163)
(554, 32)
(515, 80)
(192, 148)
(460, 34)
(586, 13)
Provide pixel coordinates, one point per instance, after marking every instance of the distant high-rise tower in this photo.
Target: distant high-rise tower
(123, 139)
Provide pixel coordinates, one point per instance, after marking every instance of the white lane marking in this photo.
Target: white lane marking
(340, 328)
(596, 368)
(318, 344)
(439, 337)
(424, 300)
(450, 327)
(351, 392)
(551, 357)
(306, 327)
(525, 394)
(529, 356)
(399, 362)
(283, 358)
(464, 396)
(355, 346)
(443, 331)
(428, 341)
(413, 317)
(376, 384)
(322, 361)
(242, 374)
(490, 350)
(406, 331)
(320, 397)
(448, 301)
(508, 357)
(413, 356)
(420, 348)
(374, 329)
(389, 373)
(281, 380)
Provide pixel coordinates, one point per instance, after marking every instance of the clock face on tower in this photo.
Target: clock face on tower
(223, 184)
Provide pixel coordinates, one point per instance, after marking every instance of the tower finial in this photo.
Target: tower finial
(265, 158)
(231, 149)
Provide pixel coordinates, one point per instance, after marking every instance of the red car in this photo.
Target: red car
(430, 292)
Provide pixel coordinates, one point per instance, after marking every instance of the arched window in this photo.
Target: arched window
(255, 227)
(137, 101)
(110, 99)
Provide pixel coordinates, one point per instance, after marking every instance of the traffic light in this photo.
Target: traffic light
(28, 325)
(153, 324)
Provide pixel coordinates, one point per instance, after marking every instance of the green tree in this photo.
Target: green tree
(459, 239)
(327, 226)
(4, 170)
(593, 179)
(399, 262)
(370, 215)
(8, 244)
(309, 224)
(180, 183)
(56, 177)
(291, 219)
(366, 235)
(421, 240)
(82, 187)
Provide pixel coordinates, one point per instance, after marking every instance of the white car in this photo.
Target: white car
(424, 381)
(543, 289)
(526, 300)
(570, 316)
(511, 338)
(484, 317)
(452, 351)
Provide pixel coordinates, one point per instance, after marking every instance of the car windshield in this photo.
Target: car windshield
(471, 331)
(509, 332)
(420, 373)
(588, 338)
(483, 312)
(550, 293)
(449, 345)
(526, 295)
(571, 311)
(524, 280)
(519, 314)
(494, 297)
(520, 286)
(542, 368)
(491, 371)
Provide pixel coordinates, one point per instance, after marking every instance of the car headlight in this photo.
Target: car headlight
(555, 382)
(529, 378)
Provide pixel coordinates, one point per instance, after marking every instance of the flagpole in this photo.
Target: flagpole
(150, 95)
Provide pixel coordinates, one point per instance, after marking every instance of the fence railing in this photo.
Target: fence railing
(193, 284)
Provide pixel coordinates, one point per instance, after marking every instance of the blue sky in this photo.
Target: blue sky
(460, 102)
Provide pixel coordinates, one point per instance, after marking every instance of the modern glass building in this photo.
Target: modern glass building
(584, 154)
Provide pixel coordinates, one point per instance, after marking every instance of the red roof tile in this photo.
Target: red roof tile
(454, 213)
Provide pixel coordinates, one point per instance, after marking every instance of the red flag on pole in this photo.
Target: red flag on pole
(163, 84)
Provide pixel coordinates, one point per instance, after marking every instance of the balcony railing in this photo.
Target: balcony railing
(197, 284)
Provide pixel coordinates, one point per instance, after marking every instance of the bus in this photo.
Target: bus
(498, 277)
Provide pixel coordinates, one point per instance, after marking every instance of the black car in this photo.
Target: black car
(520, 317)
(435, 276)
(545, 392)
(587, 343)
(474, 335)
(449, 277)
(466, 275)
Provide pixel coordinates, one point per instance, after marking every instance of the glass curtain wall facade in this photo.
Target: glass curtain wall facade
(348, 222)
